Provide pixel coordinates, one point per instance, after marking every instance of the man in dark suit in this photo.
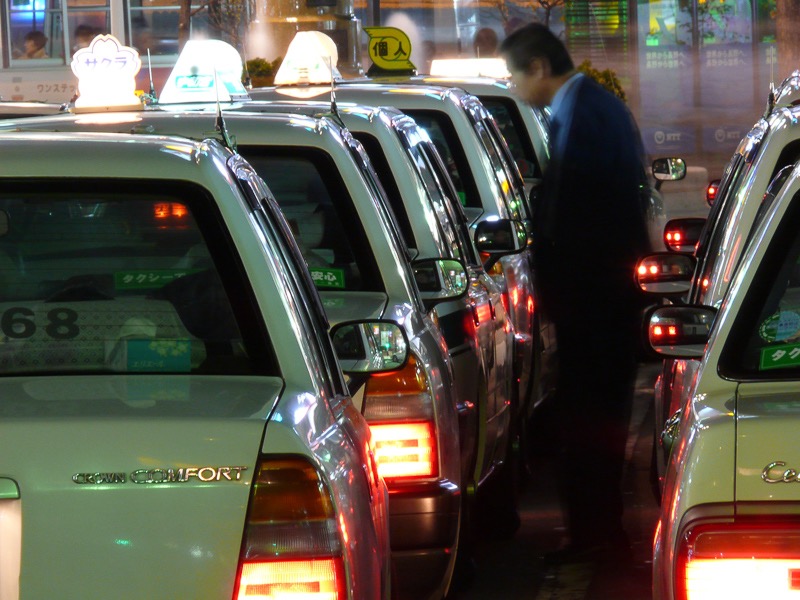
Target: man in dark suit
(589, 230)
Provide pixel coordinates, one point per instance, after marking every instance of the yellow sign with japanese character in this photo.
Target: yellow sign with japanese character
(389, 48)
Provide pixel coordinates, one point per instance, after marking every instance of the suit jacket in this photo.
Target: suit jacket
(589, 220)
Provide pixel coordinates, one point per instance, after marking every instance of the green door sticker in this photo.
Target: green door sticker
(327, 278)
(780, 357)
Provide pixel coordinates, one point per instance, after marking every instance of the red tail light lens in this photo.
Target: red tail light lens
(711, 192)
(399, 409)
(292, 545)
(739, 560)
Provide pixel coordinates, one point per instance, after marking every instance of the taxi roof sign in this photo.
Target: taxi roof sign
(470, 67)
(206, 71)
(311, 59)
(389, 49)
(106, 72)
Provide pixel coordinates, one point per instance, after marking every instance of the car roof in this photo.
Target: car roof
(87, 155)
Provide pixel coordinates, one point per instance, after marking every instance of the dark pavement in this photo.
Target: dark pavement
(513, 569)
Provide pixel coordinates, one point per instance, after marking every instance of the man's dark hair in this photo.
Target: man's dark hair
(535, 40)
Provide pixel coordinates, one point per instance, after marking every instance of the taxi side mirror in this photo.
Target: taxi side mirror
(373, 346)
(682, 235)
(680, 331)
(498, 238)
(440, 279)
(665, 273)
(668, 169)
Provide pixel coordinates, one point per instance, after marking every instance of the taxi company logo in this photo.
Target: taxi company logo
(146, 476)
(660, 137)
(772, 473)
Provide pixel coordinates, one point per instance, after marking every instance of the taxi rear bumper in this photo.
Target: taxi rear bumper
(423, 526)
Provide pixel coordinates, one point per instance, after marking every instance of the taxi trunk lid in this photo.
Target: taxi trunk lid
(128, 486)
(767, 453)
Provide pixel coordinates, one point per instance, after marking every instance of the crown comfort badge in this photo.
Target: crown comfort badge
(162, 475)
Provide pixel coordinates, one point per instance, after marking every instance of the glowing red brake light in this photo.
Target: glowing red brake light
(292, 544)
(399, 408)
(739, 560)
(405, 449)
(711, 192)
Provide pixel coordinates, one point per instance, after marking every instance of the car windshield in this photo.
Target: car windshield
(97, 279)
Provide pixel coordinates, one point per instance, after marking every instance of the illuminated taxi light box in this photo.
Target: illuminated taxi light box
(309, 67)
(470, 67)
(206, 71)
(106, 72)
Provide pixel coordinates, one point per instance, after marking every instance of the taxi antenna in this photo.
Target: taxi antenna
(248, 81)
(334, 107)
(150, 71)
(220, 126)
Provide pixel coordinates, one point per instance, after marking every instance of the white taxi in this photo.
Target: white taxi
(769, 149)
(335, 207)
(467, 138)
(433, 225)
(730, 516)
(330, 196)
(173, 419)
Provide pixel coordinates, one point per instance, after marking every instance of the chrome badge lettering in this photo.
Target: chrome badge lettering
(165, 475)
(98, 478)
(772, 473)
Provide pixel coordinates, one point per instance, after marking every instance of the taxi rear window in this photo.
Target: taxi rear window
(506, 113)
(94, 279)
(765, 340)
(320, 211)
(444, 136)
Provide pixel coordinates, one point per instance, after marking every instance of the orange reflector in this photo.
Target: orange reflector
(410, 379)
(405, 449)
(496, 269)
(293, 580)
(286, 489)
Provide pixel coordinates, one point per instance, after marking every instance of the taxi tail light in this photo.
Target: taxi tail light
(754, 559)
(711, 192)
(292, 546)
(399, 408)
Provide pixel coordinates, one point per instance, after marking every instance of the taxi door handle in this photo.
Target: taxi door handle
(9, 490)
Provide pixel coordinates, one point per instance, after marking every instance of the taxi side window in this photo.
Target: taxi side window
(97, 280)
(320, 212)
